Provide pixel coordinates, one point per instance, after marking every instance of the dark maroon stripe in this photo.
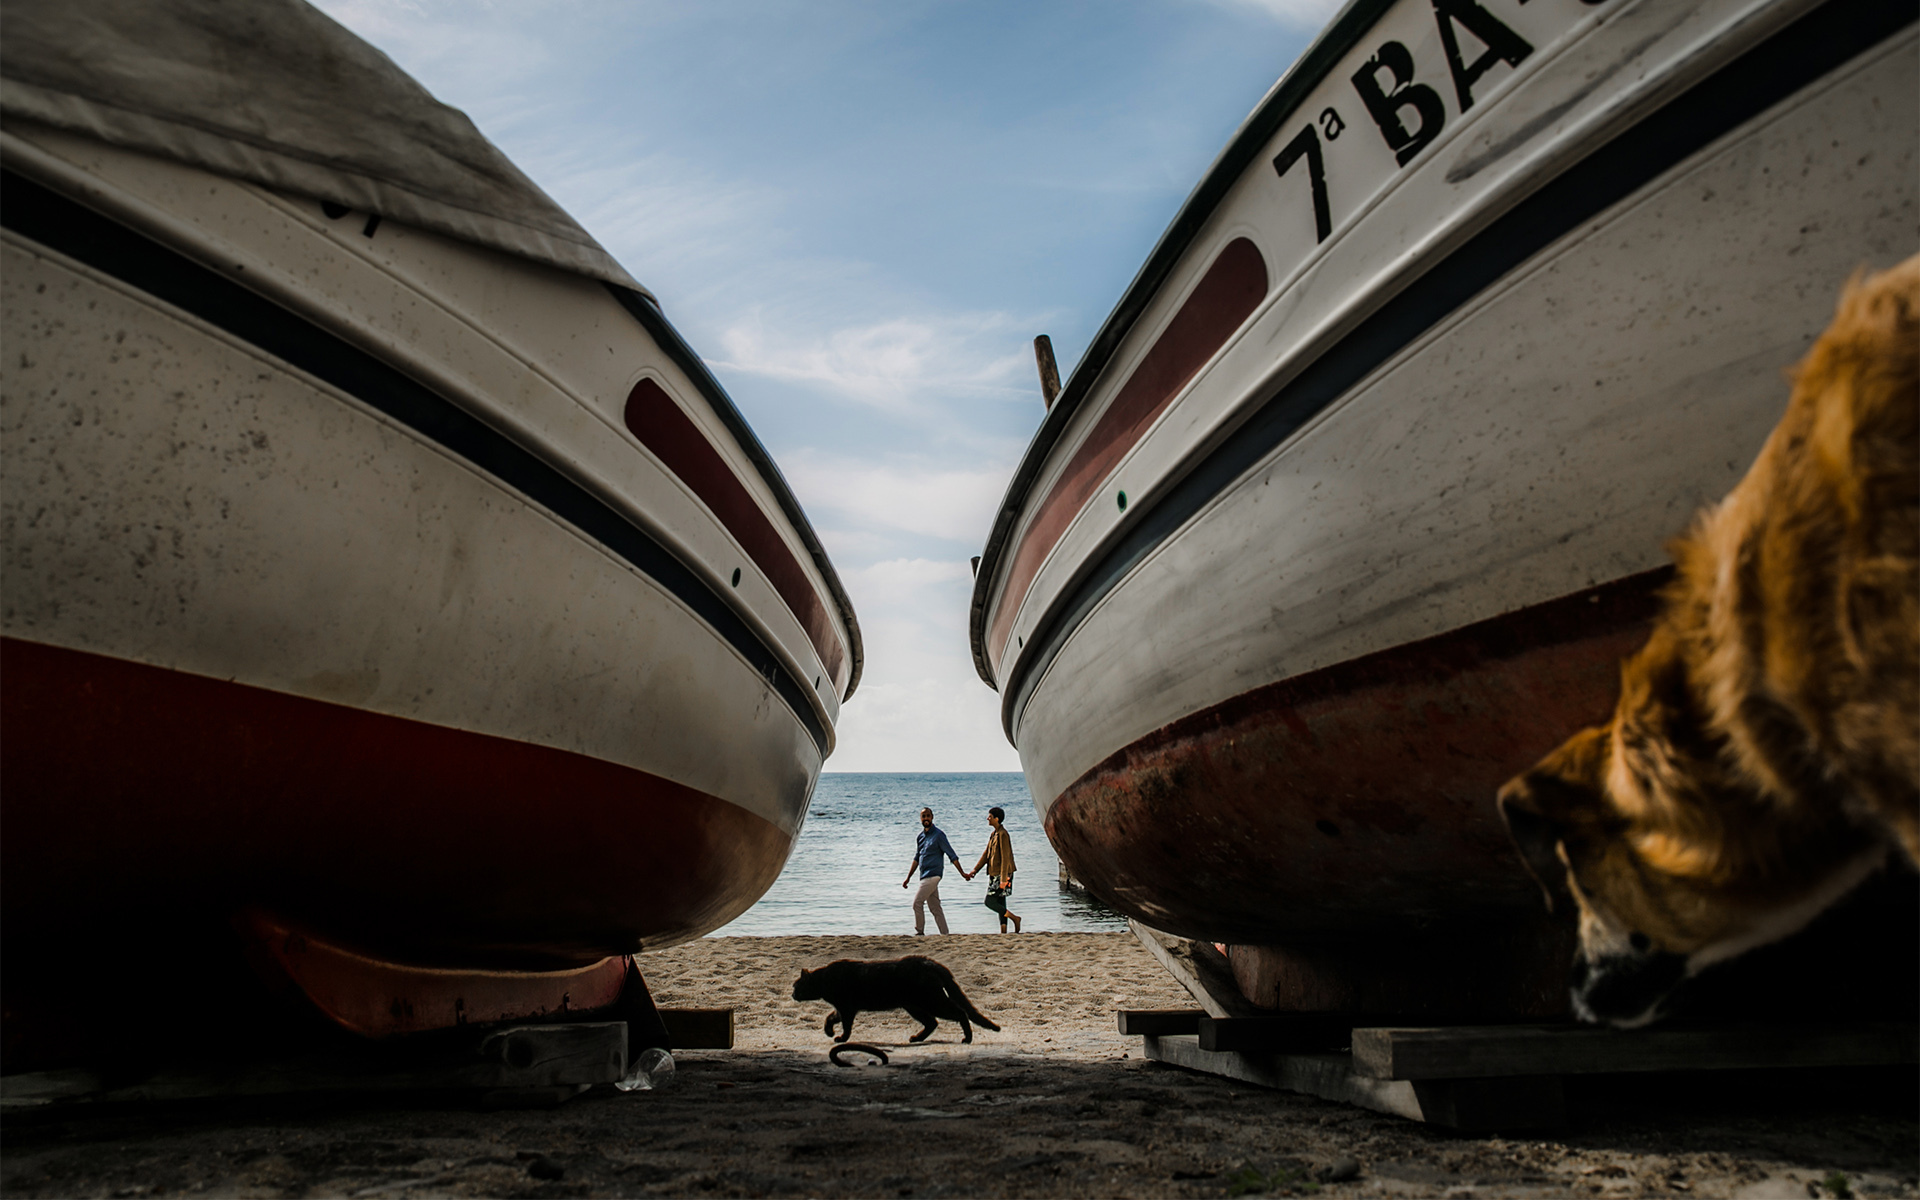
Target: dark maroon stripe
(1233, 286)
(140, 800)
(667, 431)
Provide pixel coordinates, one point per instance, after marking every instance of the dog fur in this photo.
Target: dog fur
(1764, 757)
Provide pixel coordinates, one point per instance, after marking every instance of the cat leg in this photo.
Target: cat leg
(846, 1027)
(928, 1020)
(966, 1030)
(832, 1019)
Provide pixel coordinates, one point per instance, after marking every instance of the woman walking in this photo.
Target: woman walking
(997, 858)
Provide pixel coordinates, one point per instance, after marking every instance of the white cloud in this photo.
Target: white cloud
(451, 40)
(894, 364)
(907, 580)
(927, 724)
(900, 493)
(1300, 14)
(656, 213)
(852, 545)
(913, 616)
(920, 707)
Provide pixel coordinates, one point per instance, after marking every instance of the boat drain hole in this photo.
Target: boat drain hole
(1123, 502)
(736, 577)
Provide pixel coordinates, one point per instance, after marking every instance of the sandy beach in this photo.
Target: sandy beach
(1052, 993)
(1056, 1104)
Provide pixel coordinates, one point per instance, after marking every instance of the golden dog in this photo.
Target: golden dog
(1764, 757)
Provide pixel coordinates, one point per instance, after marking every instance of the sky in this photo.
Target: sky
(860, 213)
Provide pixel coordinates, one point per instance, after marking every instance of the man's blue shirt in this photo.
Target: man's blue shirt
(932, 849)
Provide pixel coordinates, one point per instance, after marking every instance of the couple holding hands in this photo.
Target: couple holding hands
(930, 852)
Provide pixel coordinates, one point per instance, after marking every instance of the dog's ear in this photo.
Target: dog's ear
(1558, 809)
(1536, 825)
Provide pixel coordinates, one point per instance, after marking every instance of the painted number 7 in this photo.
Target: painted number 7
(1307, 144)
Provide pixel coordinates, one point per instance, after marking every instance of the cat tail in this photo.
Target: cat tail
(965, 1005)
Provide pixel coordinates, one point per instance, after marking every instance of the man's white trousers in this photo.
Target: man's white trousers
(928, 897)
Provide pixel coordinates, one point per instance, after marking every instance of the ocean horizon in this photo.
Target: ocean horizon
(844, 874)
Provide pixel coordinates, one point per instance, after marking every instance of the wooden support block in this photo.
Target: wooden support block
(1152, 1022)
(699, 1028)
(1514, 1050)
(1326, 1075)
(547, 1056)
(1199, 968)
(1300, 1033)
(1475, 1105)
(1486, 1105)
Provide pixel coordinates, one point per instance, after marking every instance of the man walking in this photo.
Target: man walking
(928, 851)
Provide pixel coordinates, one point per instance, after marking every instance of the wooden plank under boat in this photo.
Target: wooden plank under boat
(1356, 500)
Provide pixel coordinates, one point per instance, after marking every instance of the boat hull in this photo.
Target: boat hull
(169, 792)
(411, 592)
(1387, 544)
(1350, 801)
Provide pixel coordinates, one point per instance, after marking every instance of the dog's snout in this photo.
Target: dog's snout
(1626, 990)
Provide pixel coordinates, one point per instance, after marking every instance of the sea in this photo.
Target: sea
(845, 871)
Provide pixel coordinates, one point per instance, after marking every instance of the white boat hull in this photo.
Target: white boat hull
(1267, 649)
(347, 574)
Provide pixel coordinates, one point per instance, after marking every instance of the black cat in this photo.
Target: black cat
(920, 985)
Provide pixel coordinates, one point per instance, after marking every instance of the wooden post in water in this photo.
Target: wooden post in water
(1049, 373)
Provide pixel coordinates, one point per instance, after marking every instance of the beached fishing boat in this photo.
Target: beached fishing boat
(1354, 503)
(376, 556)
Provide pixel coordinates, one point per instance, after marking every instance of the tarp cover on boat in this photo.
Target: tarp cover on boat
(275, 92)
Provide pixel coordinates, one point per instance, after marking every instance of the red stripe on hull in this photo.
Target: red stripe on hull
(139, 800)
(1231, 289)
(1355, 800)
(654, 418)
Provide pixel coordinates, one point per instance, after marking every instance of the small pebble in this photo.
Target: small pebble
(1340, 1170)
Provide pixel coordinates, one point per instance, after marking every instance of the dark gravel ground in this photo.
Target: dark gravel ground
(945, 1119)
